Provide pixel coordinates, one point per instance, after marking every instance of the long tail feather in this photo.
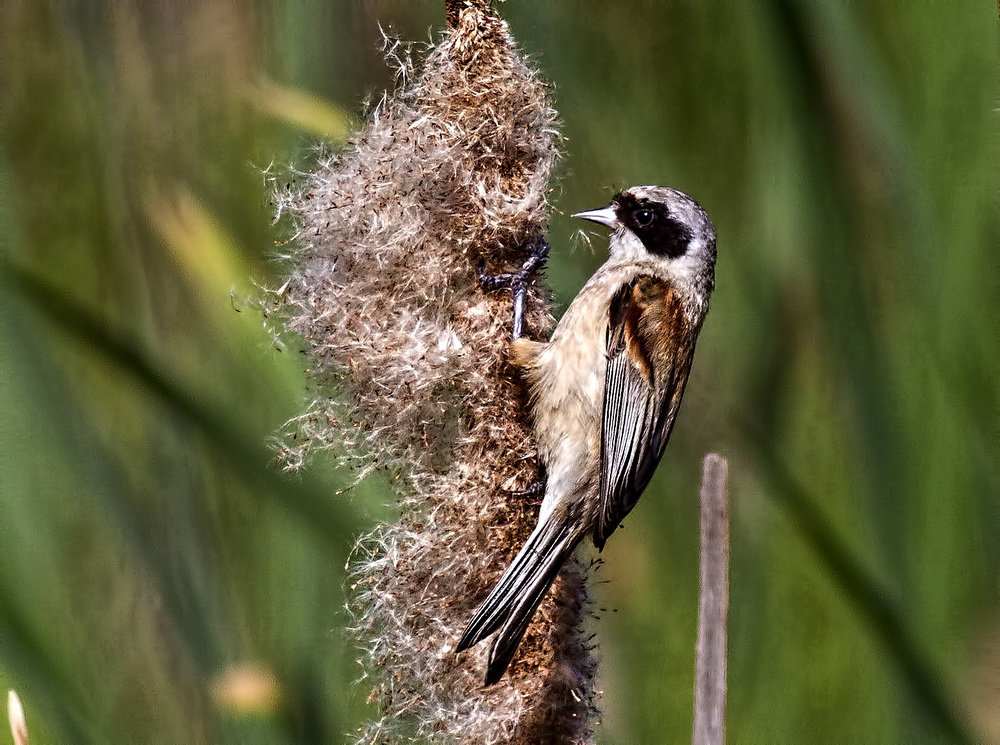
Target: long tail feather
(512, 603)
(509, 637)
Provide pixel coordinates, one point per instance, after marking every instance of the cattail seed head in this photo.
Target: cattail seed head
(451, 172)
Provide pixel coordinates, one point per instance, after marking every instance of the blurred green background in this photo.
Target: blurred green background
(162, 581)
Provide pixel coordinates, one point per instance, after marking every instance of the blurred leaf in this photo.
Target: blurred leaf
(873, 602)
(197, 242)
(309, 113)
(308, 498)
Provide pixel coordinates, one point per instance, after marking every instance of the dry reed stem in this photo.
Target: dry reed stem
(713, 606)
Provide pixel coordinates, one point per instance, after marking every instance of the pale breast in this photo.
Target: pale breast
(570, 380)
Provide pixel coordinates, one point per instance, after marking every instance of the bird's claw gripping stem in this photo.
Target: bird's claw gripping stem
(538, 252)
(535, 489)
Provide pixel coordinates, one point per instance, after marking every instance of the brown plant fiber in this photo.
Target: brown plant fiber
(450, 170)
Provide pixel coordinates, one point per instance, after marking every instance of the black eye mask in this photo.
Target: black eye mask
(652, 224)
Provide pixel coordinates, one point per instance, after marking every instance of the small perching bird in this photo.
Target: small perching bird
(605, 391)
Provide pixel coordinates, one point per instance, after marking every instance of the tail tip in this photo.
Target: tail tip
(494, 670)
(493, 677)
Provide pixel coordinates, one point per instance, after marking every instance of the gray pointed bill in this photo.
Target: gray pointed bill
(604, 216)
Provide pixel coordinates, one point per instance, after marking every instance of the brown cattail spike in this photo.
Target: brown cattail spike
(451, 172)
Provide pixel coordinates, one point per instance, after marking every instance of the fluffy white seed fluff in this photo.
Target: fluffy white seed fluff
(451, 170)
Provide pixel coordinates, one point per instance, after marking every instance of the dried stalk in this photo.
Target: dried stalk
(713, 606)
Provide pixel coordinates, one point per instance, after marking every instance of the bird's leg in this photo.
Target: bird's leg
(535, 488)
(538, 252)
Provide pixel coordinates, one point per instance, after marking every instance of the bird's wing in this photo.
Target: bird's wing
(649, 346)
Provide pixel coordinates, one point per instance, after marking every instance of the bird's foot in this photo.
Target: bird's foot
(538, 252)
(535, 488)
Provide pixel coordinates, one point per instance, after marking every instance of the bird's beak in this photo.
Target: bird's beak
(605, 216)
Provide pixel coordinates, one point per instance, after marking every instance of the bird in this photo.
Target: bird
(604, 393)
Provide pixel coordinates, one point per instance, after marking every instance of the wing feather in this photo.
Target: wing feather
(649, 347)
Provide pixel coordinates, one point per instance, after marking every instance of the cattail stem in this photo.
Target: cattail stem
(713, 606)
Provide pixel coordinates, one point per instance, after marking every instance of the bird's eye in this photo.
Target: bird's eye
(643, 218)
